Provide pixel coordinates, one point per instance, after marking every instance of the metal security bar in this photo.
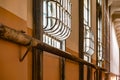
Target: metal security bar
(88, 40)
(57, 18)
(18, 37)
(100, 37)
(88, 34)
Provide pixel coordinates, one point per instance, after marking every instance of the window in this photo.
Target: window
(88, 34)
(99, 34)
(56, 21)
(87, 57)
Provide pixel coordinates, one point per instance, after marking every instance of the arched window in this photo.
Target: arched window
(56, 21)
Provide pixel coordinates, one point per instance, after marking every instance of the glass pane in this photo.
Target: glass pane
(85, 15)
(88, 41)
(85, 3)
(89, 21)
(44, 14)
(61, 14)
(50, 41)
(86, 58)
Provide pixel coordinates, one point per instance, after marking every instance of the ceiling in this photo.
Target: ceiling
(115, 12)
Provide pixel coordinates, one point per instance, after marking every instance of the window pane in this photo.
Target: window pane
(85, 16)
(85, 3)
(86, 58)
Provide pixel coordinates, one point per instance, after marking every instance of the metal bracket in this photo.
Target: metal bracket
(28, 49)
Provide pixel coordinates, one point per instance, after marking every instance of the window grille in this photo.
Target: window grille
(88, 34)
(100, 43)
(88, 41)
(87, 58)
(56, 21)
(99, 34)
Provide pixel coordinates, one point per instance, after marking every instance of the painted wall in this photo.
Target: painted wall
(51, 67)
(10, 66)
(114, 52)
(72, 41)
(17, 7)
(93, 24)
(11, 12)
(17, 14)
(72, 68)
(20, 8)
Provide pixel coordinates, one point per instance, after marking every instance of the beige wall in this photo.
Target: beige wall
(114, 52)
(20, 8)
(29, 14)
(17, 7)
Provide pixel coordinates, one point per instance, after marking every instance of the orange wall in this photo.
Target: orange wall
(72, 41)
(19, 17)
(10, 66)
(51, 67)
(72, 68)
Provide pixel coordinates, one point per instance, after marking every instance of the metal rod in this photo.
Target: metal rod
(25, 54)
(81, 38)
(24, 39)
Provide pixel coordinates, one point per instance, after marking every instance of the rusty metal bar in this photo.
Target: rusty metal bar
(18, 37)
(81, 38)
(37, 32)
